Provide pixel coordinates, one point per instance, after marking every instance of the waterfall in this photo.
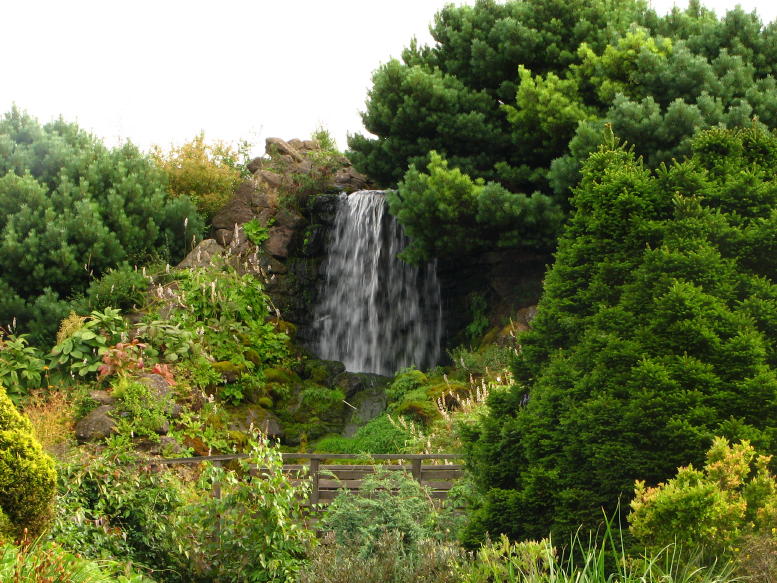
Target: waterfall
(375, 312)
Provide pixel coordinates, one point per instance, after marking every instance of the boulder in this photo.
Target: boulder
(251, 416)
(202, 255)
(323, 372)
(248, 202)
(282, 148)
(96, 425)
(102, 397)
(279, 242)
(365, 405)
(349, 180)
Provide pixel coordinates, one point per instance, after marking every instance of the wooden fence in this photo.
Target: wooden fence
(432, 470)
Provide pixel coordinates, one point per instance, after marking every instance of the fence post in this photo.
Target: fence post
(314, 474)
(416, 469)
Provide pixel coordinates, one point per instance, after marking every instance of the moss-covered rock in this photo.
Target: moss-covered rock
(323, 372)
(228, 370)
(27, 475)
(281, 375)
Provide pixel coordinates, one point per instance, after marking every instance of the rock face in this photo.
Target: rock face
(292, 194)
(510, 281)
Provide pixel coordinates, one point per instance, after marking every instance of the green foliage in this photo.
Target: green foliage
(81, 352)
(388, 501)
(734, 495)
(27, 476)
(517, 94)
(207, 173)
(21, 366)
(255, 232)
(446, 213)
(111, 508)
(122, 287)
(252, 532)
(379, 435)
(70, 209)
(229, 310)
(653, 336)
(430, 562)
(40, 562)
(139, 410)
(171, 342)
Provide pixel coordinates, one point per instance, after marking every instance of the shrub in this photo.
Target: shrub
(389, 501)
(207, 173)
(431, 562)
(21, 366)
(71, 210)
(733, 495)
(116, 509)
(252, 531)
(122, 287)
(82, 342)
(27, 476)
(653, 335)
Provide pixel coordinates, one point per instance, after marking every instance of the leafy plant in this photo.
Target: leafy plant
(257, 233)
(21, 366)
(171, 341)
(122, 287)
(81, 352)
(251, 531)
(122, 358)
(139, 410)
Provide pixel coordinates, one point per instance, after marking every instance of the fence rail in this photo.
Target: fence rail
(327, 479)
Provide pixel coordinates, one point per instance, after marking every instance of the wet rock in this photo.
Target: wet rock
(365, 405)
(96, 426)
(353, 382)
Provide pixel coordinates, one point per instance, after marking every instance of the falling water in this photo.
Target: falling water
(375, 312)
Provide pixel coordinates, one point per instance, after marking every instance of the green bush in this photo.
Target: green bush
(122, 287)
(21, 366)
(70, 209)
(231, 311)
(46, 562)
(27, 475)
(253, 531)
(83, 341)
(388, 501)
(654, 335)
(111, 508)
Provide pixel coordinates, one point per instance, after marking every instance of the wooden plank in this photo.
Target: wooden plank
(314, 491)
(441, 474)
(438, 485)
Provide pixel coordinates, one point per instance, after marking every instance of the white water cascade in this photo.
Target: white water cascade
(375, 312)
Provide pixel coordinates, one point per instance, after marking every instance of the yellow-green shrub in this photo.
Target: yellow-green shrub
(732, 496)
(208, 173)
(27, 476)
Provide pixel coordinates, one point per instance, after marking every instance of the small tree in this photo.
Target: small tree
(27, 476)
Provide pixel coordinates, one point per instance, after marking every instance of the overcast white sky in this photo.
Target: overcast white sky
(160, 71)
